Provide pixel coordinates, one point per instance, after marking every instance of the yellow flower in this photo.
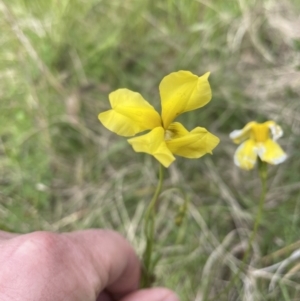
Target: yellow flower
(180, 92)
(260, 141)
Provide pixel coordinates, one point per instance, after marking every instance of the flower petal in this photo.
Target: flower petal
(192, 144)
(271, 152)
(239, 136)
(182, 91)
(154, 144)
(246, 155)
(276, 130)
(130, 114)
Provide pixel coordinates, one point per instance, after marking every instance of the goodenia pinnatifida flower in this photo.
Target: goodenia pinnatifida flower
(258, 140)
(180, 92)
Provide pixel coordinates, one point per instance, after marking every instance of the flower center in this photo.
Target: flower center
(260, 133)
(168, 135)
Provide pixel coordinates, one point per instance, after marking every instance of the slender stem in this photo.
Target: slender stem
(180, 218)
(262, 170)
(149, 230)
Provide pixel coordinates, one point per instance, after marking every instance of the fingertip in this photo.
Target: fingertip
(110, 258)
(7, 235)
(152, 294)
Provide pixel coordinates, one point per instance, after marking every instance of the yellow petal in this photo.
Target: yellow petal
(182, 91)
(192, 144)
(271, 152)
(260, 132)
(154, 144)
(246, 155)
(239, 136)
(130, 114)
(276, 130)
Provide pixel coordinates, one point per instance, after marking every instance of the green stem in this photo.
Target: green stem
(262, 170)
(149, 231)
(180, 218)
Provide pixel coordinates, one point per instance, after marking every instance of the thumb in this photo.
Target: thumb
(152, 294)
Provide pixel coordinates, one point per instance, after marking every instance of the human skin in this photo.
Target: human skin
(90, 265)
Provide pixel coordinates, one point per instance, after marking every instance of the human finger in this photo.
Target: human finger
(69, 266)
(6, 235)
(151, 294)
(109, 260)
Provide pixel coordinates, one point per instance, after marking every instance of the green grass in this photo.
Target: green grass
(61, 170)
